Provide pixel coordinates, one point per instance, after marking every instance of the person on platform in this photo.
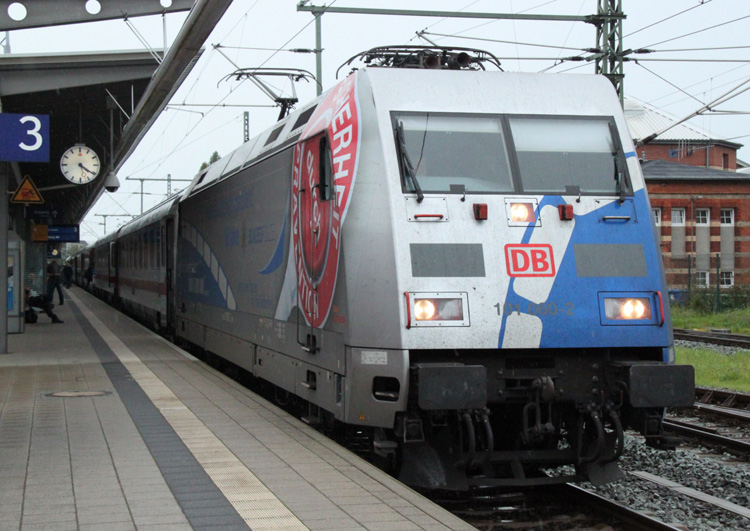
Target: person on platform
(88, 276)
(67, 275)
(53, 282)
(42, 302)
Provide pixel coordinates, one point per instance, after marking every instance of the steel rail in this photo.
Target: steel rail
(734, 446)
(631, 518)
(717, 338)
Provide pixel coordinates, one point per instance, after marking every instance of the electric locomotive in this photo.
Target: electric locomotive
(460, 264)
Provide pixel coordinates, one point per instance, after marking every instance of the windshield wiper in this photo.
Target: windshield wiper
(620, 165)
(406, 165)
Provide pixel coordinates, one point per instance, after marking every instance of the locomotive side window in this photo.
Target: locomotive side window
(445, 150)
(326, 170)
(554, 153)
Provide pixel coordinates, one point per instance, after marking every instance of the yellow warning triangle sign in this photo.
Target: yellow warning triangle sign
(27, 193)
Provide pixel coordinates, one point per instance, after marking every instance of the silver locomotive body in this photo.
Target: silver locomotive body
(461, 265)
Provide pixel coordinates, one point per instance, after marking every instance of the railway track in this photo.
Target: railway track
(713, 336)
(721, 403)
(627, 517)
(550, 508)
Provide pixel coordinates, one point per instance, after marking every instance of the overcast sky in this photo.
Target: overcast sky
(207, 111)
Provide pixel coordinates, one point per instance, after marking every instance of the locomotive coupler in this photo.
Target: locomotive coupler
(544, 391)
(479, 435)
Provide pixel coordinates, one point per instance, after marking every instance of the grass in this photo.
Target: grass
(713, 369)
(738, 321)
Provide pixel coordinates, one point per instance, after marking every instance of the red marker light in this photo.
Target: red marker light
(480, 211)
(566, 212)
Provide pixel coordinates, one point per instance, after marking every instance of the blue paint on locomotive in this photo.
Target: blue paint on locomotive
(573, 314)
(196, 282)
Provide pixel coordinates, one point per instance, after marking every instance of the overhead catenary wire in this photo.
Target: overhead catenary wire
(668, 82)
(517, 43)
(697, 31)
(581, 62)
(727, 96)
(653, 101)
(671, 17)
(180, 144)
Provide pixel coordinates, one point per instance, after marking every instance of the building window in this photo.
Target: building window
(726, 279)
(725, 161)
(727, 216)
(701, 279)
(678, 216)
(701, 216)
(657, 216)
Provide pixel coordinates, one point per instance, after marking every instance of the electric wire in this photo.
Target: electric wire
(669, 82)
(494, 21)
(444, 19)
(653, 101)
(703, 49)
(697, 31)
(181, 146)
(505, 42)
(190, 91)
(671, 17)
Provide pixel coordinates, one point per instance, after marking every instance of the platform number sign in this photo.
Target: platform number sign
(24, 137)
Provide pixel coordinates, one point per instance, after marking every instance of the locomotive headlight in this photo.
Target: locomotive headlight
(424, 309)
(626, 308)
(437, 309)
(522, 213)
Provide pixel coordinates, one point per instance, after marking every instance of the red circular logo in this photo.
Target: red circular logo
(317, 221)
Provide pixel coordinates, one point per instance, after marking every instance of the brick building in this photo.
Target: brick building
(702, 217)
(701, 204)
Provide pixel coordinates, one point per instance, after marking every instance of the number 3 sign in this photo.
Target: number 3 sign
(24, 137)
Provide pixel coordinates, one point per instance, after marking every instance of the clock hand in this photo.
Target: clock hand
(85, 168)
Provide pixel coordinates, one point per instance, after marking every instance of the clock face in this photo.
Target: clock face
(80, 164)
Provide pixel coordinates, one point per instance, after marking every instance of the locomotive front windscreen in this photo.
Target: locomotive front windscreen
(557, 152)
(509, 154)
(447, 150)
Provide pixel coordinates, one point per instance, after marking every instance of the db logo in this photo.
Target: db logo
(529, 260)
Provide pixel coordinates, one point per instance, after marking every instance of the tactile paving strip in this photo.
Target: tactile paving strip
(257, 505)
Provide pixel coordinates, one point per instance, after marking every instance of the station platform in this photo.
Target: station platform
(106, 425)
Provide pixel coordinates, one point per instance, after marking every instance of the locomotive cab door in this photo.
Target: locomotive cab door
(315, 228)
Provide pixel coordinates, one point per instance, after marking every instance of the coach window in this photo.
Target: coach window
(440, 150)
(557, 152)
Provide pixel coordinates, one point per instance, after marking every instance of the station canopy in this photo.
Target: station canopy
(105, 100)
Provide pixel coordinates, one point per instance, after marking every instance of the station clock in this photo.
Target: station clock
(80, 164)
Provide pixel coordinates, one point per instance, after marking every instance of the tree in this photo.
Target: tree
(214, 157)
